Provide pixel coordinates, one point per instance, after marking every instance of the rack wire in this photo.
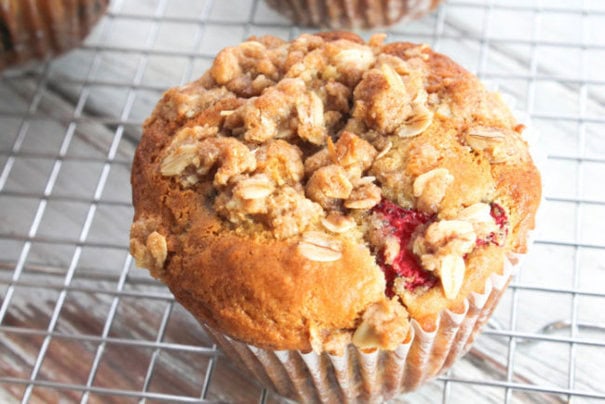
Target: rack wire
(78, 322)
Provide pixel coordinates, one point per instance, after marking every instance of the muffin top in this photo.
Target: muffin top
(313, 193)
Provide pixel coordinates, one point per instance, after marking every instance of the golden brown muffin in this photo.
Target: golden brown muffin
(352, 14)
(308, 194)
(36, 29)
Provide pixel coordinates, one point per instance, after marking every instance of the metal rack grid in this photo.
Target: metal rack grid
(79, 323)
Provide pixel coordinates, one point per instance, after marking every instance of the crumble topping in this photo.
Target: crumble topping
(384, 325)
(442, 248)
(430, 189)
(148, 246)
(281, 162)
(319, 246)
(484, 224)
(338, 223)
(500, 145)
(308, 138)
(328, 185)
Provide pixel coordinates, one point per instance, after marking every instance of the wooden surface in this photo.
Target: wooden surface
(76, 305)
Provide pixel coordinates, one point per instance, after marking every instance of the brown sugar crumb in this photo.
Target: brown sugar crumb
(329, 184)
(280, 161)
(384, 325)
(288, 129)
(148, 246)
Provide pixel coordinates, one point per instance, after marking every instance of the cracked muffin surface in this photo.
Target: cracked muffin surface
(325, 191)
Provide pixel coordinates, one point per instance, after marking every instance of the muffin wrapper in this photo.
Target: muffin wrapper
(352, 13)
(376, 376)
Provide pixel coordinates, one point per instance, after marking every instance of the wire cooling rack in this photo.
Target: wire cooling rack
(78, 322)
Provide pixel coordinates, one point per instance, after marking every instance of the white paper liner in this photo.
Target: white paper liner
(339, 14)
(377, 376)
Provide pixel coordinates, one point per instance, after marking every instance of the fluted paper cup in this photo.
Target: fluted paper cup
(352, 13)
(359, 376)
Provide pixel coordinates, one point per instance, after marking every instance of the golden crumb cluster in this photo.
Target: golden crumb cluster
(313, 193)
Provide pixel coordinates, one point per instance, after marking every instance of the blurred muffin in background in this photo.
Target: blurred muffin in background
(353, 13)
(38, 29)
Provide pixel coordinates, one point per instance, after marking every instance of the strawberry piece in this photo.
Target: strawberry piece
(403, 223)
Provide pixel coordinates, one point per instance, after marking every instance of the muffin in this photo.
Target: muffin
(341, 216)
(38, 29)
(352, 14)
